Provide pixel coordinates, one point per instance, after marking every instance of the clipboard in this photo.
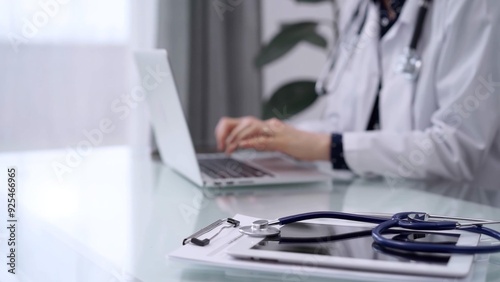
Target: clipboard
(214, 255)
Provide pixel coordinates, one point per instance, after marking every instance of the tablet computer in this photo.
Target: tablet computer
(352, 247)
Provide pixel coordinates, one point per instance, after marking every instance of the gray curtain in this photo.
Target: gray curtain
(212, 45)
(173, 35)
(224, 40)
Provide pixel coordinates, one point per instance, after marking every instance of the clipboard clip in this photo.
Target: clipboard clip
(226, 222)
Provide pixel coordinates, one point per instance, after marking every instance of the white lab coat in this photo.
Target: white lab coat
(445, 124)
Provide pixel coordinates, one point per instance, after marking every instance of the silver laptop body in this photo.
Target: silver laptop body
(210, 170)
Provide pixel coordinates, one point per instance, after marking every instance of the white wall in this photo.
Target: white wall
(69, 70)
(303, 62)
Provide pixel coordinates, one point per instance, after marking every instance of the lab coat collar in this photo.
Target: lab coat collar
(408, 16)
(409, 13)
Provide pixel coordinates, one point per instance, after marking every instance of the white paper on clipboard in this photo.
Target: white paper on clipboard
(215, 254)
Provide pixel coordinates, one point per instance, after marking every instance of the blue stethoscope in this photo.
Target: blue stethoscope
(418, 221)
(409, 63)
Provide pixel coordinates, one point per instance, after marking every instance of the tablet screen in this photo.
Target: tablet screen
(353, 242)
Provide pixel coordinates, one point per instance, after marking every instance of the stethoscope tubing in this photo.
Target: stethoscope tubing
(323, 86)
(330, 214)
(401, 220)
(420, 24)
(433, 248)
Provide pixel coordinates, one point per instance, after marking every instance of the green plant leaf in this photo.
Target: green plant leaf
(313, 38)
(290, 99)
(289, 36)
(316, 39)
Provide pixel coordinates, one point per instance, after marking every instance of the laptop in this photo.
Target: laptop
(208, 170)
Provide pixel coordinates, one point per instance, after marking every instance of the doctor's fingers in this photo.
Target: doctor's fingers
(273, 137)
(246, 124)
(222, 130)
(247, 132)
(274, 126)
(251, 131)
(261, 143)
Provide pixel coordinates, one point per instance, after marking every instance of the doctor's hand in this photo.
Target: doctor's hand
(230, 131)
(272, 135)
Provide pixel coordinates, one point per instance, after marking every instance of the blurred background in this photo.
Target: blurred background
(67, 64)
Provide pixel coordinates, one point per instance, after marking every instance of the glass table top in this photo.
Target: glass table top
(115, 214)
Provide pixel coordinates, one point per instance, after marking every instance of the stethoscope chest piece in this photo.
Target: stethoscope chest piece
(259, 228)
(409, 64)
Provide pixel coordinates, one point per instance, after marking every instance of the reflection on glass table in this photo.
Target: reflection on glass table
(118, 214)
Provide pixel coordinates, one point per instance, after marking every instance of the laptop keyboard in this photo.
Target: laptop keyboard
(229, 168)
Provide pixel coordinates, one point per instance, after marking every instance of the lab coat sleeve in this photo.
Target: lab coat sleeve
(468, 117)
